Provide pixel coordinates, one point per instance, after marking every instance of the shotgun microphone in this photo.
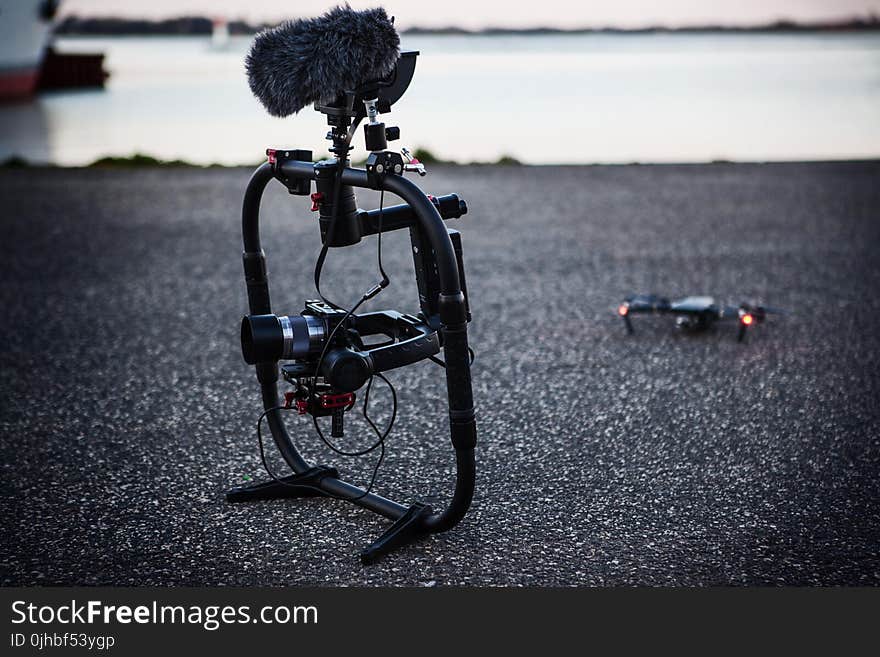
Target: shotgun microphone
(316, 60)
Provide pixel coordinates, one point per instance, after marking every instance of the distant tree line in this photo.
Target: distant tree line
(188, 25)
(856, 24)
(200, 25)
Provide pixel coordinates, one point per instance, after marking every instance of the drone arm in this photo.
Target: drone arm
(641, 304)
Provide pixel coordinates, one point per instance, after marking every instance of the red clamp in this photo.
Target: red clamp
(328, 402)
(317, 198)
(342, 400)
(290, 399)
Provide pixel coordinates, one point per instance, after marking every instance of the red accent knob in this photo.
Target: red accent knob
(317, 197)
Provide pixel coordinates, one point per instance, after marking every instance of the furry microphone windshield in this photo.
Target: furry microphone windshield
(315, 60)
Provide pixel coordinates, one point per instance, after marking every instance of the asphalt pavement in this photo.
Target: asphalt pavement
(603, 459)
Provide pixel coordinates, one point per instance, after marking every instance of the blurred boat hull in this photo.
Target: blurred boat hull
(24, 33)
(72, 70)
(18, 83)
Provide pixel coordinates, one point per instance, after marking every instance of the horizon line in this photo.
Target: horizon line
(871, 21)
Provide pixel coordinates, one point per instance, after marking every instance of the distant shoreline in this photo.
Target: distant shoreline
(200, 25)
(140, 161)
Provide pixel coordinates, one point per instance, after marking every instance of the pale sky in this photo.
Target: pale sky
(502, 13)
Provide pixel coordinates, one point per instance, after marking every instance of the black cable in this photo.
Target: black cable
(393, 404)
(319, 265)
(266, 463)
(380, 434)
(369, 294)
(329, 339)
(385, 279)
(442, 363)
(373, 424)
(341, 157)
(380, 443)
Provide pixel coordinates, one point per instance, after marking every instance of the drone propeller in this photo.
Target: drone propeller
(641, 303)
(760, 312)
(770, 310)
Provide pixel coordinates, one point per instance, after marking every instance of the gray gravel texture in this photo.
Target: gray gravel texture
(604, 459)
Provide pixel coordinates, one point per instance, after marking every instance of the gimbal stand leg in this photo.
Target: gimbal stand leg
(406, 529)
(306, 484)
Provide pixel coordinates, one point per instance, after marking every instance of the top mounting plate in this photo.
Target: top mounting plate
(388, 90)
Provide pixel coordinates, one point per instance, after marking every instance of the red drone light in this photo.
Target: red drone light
(623, 310)
(747, 320)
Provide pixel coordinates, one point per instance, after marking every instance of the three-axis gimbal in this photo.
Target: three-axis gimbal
(324, 352)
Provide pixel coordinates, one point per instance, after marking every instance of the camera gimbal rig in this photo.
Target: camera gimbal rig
(325, 357)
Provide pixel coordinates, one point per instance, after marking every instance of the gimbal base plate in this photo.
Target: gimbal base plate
(307, 484)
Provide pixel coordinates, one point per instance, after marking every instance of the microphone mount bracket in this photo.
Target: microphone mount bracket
(382, 164)
(384, 92)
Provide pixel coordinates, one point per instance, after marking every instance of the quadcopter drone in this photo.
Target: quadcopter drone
(694, 314)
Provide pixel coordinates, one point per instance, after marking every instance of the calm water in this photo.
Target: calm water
(579, 98)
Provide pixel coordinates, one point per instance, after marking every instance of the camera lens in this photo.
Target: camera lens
(302, 335)
(268, 337)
